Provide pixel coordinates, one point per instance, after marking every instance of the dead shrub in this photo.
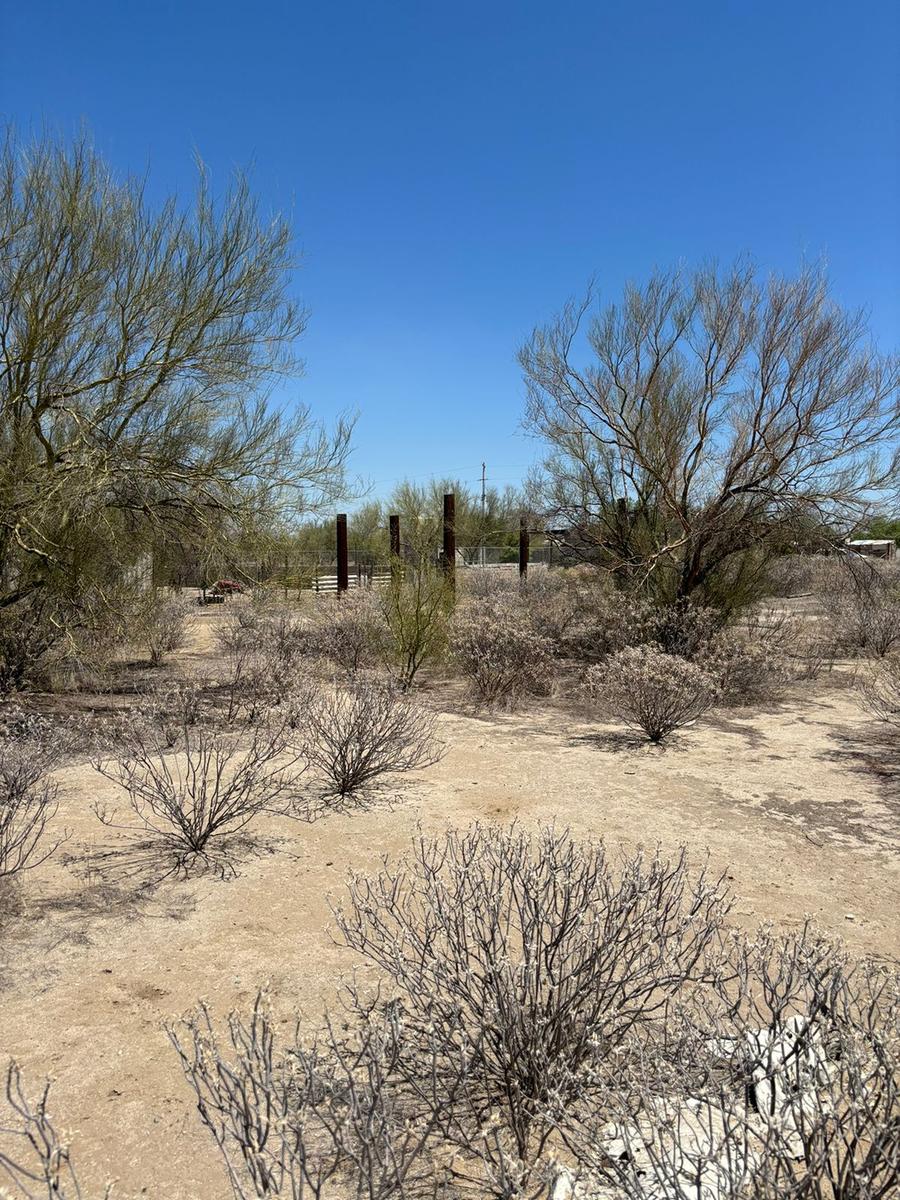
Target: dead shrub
(212, 786)
(497, 648)
(40, 1167)
(880, 691)
(263, 650)
(338, 1115)
(29, 637)
(743, 671)
(169, 707)
(536, 958)
(686, 630)
(553, 603)
(361, 730)
(868, 627)
(863, 603)
(28, 800)
(613, 622)
(652, 691)
(350, 631)
(163, 624)
(782, 1081)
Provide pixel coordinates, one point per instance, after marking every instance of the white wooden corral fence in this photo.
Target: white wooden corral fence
(329, 583)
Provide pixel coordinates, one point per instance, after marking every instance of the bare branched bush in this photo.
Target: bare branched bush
(880, 692)
(868, 627)
(37, 1165)
(686, 629)
(652, 691)
(212, 786)
(163, 624)
(792, 575)
(29, 635)
(350, 631)
(612, 622)
(340, 1115)
(28, 800)
(357, 732)
(498, 649)
(538, 958)
(553, 603)
(744, 671)
(781, 1082)
(169, 707)
(863, 603)
(263, 649)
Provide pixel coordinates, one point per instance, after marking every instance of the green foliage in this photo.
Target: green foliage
(138, 345)
(417, 605)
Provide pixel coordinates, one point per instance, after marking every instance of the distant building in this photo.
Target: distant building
(873, 547)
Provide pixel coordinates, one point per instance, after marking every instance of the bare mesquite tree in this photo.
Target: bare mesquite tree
(137, 347)
(709, 422)
(536, 956)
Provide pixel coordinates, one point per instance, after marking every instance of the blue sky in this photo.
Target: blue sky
(455, 172)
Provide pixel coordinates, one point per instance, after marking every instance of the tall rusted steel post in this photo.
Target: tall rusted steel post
(343, 561)
(449, 560)
(394, 535)
(394, 543)
(524, 548)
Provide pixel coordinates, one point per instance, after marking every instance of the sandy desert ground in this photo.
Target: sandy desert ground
(797, 803)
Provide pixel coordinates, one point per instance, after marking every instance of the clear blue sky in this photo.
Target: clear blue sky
(455, 171)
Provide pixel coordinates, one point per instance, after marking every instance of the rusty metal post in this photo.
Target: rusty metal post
(394, 535)
(343, 561)
(449, 561)
(524, 548)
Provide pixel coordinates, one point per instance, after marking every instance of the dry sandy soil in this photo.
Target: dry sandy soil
(796, 803)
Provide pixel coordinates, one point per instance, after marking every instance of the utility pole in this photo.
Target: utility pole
(483, 508)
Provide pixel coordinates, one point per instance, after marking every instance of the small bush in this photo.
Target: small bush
(497, 648)
(350, 631)
(27, 799)
(686, 630)
(613, 622)
(29, 635)
(417, 604)
(163, 625)
(330, 1117)
(880, 692)
(553, 603)
(368, 728)
(263, 650)
(531, 958)
(169, 707)
(652, 691)
(213, 786)
(868, 627)
(744, 672)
